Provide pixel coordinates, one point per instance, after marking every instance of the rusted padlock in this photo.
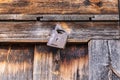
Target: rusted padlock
(58, 37)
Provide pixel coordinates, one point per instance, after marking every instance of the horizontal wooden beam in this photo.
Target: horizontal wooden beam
(105, 17)
(57, 17)
(58, 6)
(40, 31)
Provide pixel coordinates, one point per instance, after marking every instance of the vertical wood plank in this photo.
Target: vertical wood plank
(17, 63)
(43, 61)
(74, 65)
(98, 60)
(114, 47)
(4, 50)
(70, 64)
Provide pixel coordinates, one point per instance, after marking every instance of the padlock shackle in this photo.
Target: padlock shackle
(59, 29)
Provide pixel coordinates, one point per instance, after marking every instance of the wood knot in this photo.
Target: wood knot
(94, 1)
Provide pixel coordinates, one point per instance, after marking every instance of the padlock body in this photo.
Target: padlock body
(57, 40)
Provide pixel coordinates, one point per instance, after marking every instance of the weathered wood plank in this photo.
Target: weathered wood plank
(40, 31)
(4, 50)
(106, 17)
(98, 60)
(59, 17)
(72, 64)
(43, 60)
(114, 47)
(58, 6)
(104, 60)
(16, 62)
(47, 17)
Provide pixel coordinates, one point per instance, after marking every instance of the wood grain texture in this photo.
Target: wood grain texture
(40, 31)
(16, 62)
(58, 6)
(43, 60)
(104, 60)
(98, 60)
(3, 61)
(72, 63)
(114, 47)
(115, 77)
(59, 17)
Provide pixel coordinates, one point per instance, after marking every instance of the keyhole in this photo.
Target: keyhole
(56, 39)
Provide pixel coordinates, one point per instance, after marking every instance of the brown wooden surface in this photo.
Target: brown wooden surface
(70, 64)
(58, 6)
(40, 62)
(40, 31)
(16, 62)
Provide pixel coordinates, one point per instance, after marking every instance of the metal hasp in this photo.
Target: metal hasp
(58, 37)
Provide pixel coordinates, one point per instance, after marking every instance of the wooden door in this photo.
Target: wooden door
(40, 62)
(92, 51)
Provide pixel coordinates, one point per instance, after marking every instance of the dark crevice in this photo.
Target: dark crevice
(109, 62)
(87, 2)
(39, 18)
(34, 49)
(77, 76)
(109, 58)
(100, 4)
(57, 61)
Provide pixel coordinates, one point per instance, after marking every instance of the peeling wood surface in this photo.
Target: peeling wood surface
(58, 6)
(40, 31)
(104, 60)
(70, 64)
(16, 62)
